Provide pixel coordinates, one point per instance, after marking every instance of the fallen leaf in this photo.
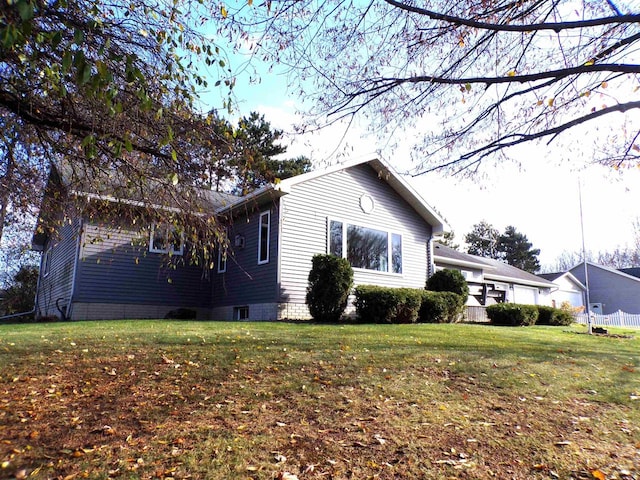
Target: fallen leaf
(598, 474)
(287, 476)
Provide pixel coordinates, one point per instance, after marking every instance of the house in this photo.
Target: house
(569, 290)
(610, 290)
(362, 210)
(492, 281)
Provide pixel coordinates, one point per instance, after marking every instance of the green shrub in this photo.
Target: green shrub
(553, 316)
(387, 305)
(330, 281)
(448, 281)
(441, 307)
(513, 314)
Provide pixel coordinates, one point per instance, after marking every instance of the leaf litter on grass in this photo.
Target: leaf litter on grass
(237, 411)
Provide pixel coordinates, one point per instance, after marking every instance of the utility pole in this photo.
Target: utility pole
(584, 262)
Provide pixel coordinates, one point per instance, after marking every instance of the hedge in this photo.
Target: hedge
(441, 307)
(387, 305)
(376, 304)
(554, 316)
(513, 314)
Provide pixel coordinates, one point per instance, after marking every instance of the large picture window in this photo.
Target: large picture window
(365, 247)
(166, 239)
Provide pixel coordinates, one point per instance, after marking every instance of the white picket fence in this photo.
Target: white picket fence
(617, 319)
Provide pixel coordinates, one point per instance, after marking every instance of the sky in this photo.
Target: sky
(539, 195)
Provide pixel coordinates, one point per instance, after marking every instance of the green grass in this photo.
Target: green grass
(160, 399)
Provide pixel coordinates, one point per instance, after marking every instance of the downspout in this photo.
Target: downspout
(431, 267)
(75, 269)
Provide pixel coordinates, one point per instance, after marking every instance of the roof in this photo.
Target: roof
(384, 170)
(112, 186)
(633, 271)
(552, 277)
(492, 269)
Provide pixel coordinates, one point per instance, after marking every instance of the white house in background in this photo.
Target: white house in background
(492, 281)
(570, 289)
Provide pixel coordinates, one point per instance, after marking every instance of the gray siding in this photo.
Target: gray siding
(304, 214)
(245, 282)
(614, 290)
(57, 284)
(116, 267)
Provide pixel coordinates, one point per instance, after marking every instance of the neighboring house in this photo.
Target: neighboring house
(492, 281)
(569, 289)
(610, 290)
(362, 210)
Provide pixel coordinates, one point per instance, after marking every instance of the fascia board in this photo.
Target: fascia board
(463, 263)
(519, 281)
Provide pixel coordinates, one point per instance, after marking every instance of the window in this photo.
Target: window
(241, 313)
(222, 254)
(365, 247)
(166, 239)
(263, 238)
(46, 262)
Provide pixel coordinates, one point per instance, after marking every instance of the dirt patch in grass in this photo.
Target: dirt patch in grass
(222, 410)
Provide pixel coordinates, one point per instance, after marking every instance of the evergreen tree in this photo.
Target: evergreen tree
(515, 249)
(448, 240)
(483, 240)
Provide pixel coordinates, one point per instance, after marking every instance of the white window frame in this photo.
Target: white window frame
(223, 252)
(268, 243)
(170, 249)
(389, 233)
(46, 262)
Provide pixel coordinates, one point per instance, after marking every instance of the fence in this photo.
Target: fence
(476, 314)
(616, 319)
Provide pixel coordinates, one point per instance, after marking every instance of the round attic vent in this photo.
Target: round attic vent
(367, 204)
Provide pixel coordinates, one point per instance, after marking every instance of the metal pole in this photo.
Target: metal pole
(584, 263)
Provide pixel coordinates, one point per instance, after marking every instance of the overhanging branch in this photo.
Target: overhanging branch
(556, 26)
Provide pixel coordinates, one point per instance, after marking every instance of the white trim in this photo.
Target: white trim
(46, 262)
(80, 241)
(222, 262)
(171, 250)
(389, 233)
(268, 215)
(384, 170)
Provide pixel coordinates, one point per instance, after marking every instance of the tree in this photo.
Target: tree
(511, 247)
(19, 297)
(108, 90)
(516, 250)
(486, 75)
(255, 145)
(448, 240)
(483, 240)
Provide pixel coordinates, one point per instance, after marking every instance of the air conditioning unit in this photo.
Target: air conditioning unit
(239, 241)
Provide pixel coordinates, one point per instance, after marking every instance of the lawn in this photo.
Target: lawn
(163, 399)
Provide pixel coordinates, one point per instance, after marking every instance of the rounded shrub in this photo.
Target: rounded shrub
(441, 307)
(512, 314)
(376, 304)
(553, 316)
(330, 281)
(448, 281)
